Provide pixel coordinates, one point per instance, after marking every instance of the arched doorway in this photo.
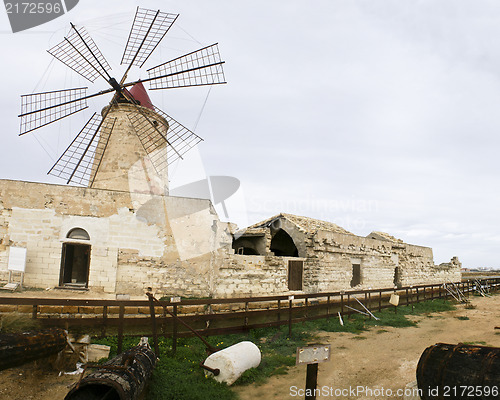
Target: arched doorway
(75, 259)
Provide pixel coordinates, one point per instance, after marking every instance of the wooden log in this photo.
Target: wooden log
(447, 371)
(19, 348)
(121, 378)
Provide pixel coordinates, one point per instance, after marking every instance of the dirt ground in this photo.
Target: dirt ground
(386, 358)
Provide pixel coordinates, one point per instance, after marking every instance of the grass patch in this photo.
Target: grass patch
(463, 318)
(382, 331)
(14, 322)
(179, 377)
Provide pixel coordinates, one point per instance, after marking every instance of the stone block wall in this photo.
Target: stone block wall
(245, 276)
(137, 241)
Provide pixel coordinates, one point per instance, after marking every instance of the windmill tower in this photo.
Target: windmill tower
(129, 146)
(125, 164)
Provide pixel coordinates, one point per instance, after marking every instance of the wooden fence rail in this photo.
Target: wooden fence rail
(223, 316)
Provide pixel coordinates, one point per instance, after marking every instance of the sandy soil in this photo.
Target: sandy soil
(386, 358)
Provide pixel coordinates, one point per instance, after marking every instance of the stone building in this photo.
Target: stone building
(288, 252)
(125, 234)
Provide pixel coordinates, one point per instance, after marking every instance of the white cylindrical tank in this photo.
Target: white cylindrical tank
(233, 361)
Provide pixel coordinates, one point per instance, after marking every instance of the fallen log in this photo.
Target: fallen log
(462, 371)
(123, 377)
(19, 348)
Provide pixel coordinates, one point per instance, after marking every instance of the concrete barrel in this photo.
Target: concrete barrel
(233, 361)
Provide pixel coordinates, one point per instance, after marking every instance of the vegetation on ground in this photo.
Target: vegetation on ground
(180, 377)
(13, 322)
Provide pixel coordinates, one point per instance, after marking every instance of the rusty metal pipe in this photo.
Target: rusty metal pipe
(19, 348)
(123, 377)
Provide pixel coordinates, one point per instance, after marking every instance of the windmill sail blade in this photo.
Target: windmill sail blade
(79, 52)
(147, 31)
(201, 67)
(40, 109)
(80, 161)
(180, 138)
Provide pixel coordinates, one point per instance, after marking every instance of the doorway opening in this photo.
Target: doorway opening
(295, 272)
(356, 275)
(75, 261)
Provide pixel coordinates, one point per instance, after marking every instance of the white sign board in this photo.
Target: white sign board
(313, 354)
(17, 259)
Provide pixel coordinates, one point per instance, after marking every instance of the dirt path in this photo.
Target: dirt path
(387, 357)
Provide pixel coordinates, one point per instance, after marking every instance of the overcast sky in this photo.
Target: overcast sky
(376, 115)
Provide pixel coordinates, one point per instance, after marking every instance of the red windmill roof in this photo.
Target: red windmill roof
(138, 91)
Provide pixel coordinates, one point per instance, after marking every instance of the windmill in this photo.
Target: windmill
(130, 130)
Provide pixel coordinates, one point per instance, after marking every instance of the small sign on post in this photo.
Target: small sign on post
(312, 355)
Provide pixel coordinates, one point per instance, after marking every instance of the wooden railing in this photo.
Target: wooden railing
(223, 316)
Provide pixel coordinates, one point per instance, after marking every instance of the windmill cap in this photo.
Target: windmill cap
(138, 92)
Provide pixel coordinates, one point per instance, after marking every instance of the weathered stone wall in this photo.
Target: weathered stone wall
(137, 240)
(241, 275)
(178, 246)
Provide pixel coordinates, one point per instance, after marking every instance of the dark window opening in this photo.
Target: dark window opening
(282, 245)
(397, 277)
(356, 275)
(295, 271)
(250, 245)
(247, 251)
(75, 262)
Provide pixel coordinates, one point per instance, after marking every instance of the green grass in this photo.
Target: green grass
(14, 322)
(180, 377)
(463, 318)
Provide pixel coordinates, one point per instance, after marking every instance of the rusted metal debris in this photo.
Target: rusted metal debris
(19, 348)
(121, 378)
(444, 370)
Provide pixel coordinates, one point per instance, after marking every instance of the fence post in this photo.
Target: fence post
(328, 306)
(164, 320)
(34, 312)
(104, 320)
(290, 316)
(306, 308)
(418, 299)
(379, 300)
(153, 325)
(246, 313)
(367, 301)
(120, 328)
(348, 304)
(342, 303)
(279, 310)
(174, 331)
(407, 298)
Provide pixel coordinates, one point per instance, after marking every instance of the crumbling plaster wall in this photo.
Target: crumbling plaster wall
(138, 241)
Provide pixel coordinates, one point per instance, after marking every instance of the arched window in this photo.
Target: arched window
(78, 233)
(282, 245)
